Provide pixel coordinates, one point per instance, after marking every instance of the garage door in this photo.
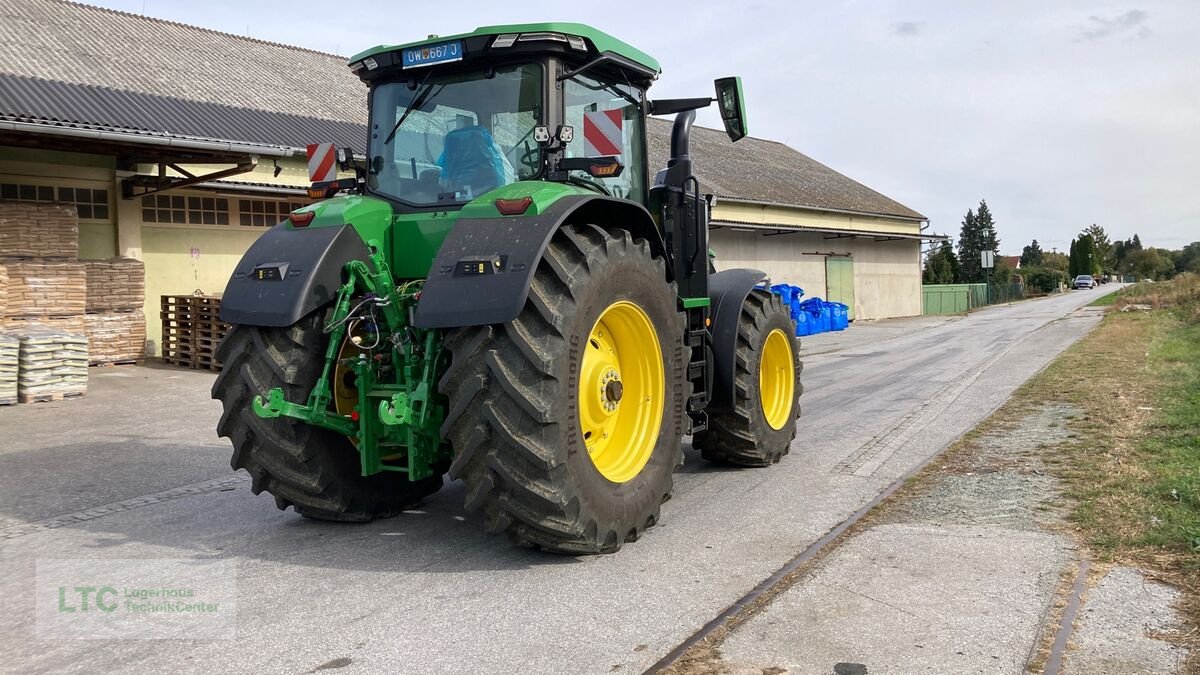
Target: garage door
(839, 281)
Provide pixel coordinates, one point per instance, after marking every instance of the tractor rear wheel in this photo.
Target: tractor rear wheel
(313, 470)
(762, 423)
(566, 422)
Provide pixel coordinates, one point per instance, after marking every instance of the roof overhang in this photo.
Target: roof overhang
(39, 133)
(918, 218)
(826, 232)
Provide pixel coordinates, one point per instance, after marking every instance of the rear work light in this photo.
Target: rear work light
(513, 207)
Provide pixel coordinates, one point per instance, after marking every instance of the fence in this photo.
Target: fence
(959, 298)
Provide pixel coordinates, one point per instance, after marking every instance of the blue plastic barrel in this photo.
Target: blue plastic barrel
(818, 315)
(839, 315)
(802, 320)
(784, 292)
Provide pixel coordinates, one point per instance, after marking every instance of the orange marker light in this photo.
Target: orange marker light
(302, 219)
(513, 207)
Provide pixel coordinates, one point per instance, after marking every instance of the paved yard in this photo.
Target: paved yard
(135, 471)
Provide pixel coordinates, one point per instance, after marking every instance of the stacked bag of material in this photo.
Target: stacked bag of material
(115, 337)
(39, 230)
(115, 322)
(10, 347)
(3, 292)
(45, 295)
(116, 284)
(38, 288)
(52, 365)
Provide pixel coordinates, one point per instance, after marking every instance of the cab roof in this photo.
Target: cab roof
(602, 42)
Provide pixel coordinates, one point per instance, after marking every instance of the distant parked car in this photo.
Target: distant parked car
(1084, 281)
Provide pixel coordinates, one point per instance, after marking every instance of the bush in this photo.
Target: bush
(1043, 280)
(1181, 295)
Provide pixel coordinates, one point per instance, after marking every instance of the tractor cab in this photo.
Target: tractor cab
(454, 118)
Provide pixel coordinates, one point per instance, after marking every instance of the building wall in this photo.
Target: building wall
(71, 172)
(887, 274)
(785, 215)
(181, 257)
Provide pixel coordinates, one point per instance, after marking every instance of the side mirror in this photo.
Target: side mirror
(733, 110)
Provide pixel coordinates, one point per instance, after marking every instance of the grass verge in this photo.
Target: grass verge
(1104, 300)
(1132, 467)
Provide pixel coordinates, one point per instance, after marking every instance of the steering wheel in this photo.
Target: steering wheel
(531, 158)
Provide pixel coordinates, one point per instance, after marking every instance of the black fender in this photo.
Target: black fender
(482, 272)
(289, 272)
(727, 291)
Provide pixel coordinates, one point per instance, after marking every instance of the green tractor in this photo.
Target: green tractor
(506, 295)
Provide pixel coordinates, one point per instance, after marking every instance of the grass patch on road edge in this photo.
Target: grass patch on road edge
(1132, 467)
(1104, 300)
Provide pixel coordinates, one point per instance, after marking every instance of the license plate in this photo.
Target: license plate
(430, 54)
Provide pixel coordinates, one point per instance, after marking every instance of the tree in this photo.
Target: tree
(1031, 255)
(1056, 261)
(1003, 273)
(1150, 263)
(978, 234)
(1043, 279)
(1105, 262)
(1083, 257)
(941, 266)
(1121, 251)
(1188, 259)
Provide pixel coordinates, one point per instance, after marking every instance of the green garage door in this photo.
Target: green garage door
(839, 281)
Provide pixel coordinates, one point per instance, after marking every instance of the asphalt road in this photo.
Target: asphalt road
(134, 471)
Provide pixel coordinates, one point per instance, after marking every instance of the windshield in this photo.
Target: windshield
(467, 134)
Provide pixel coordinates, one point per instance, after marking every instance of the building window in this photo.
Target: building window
(262, 213)
(184, 210)
(91, 203)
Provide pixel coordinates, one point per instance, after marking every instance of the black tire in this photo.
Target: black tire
(313, 470)
(513, 420)
(742, 436)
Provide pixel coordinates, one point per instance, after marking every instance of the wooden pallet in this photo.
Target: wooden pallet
(46, 398)
(192, 330)
(117, 362)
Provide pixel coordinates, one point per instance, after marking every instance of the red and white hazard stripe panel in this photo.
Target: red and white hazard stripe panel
(602, 133)
(322, 162)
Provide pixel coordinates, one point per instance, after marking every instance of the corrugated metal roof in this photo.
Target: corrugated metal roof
(769, 172)
(27, 99)
(80, 44)
(76, 65)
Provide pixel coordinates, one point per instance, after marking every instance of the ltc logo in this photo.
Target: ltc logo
(86, 598)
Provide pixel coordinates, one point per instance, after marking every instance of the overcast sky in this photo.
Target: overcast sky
(1060, 114)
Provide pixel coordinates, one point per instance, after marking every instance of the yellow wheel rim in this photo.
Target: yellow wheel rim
(345, 389)
(777, 379)
(621, 391)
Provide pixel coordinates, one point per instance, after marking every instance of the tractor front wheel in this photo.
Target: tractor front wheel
(313, 470)
(566, 422)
